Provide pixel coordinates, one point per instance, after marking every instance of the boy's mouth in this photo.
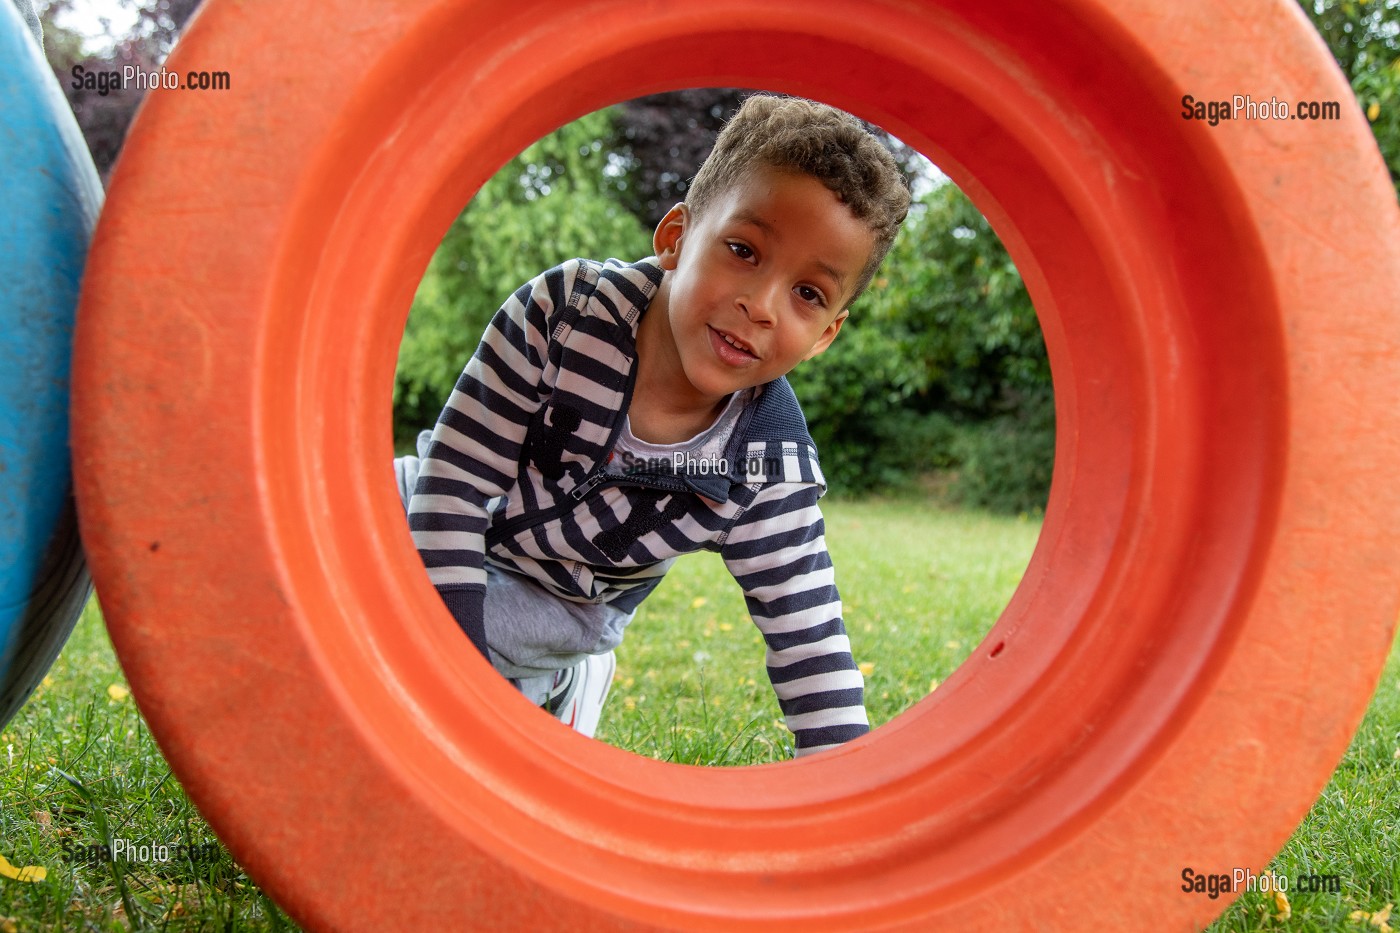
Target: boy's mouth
(730, 348)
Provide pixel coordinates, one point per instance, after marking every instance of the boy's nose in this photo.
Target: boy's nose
(759, 302)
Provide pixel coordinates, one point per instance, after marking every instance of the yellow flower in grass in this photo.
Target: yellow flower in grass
(697, 602)
(866, 668)
(1285, 909)
(118, 692)
(30, 873)
(1380, 919)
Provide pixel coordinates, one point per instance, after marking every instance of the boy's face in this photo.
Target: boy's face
(760, 280)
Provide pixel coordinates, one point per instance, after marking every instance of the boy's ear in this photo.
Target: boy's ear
(666, 241)
(827, 336)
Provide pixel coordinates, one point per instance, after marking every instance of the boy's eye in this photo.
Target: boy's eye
(810, 294)
(740, 250)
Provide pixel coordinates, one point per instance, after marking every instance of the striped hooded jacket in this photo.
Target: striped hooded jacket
(515, 474)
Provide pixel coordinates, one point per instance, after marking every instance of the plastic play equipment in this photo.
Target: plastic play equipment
(51, 197)
(1193, 643)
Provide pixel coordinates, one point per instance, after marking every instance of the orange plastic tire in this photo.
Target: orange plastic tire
(1198, 633)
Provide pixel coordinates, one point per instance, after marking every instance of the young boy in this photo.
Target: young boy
(616, 416)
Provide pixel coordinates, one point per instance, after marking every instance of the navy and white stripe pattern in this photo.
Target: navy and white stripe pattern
(515, 473)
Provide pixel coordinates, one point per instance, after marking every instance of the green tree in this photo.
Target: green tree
(951, 293)
(974, 344)
(1364, 37)
(941, 366)
(862, 406)
(1361, 34)
(556, 200)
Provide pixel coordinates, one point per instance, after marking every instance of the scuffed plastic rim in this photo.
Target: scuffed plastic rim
(51, 196)
(1196, 637)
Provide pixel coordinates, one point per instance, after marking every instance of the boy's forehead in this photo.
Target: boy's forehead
(745, 214)
(798, 206)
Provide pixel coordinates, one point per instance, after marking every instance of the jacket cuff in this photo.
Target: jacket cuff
(467, 603)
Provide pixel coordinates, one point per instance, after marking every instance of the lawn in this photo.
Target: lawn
(691, 686)
(921, 586)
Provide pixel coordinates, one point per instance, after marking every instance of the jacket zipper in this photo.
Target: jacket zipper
(599, 477)
(510, 529)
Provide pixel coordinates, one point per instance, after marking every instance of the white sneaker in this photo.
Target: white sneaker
(579, 692)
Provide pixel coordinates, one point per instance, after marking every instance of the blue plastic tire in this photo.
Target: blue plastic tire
(51, 197)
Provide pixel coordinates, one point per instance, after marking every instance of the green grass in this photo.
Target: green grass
(921, 587)
(79, 768)
(690, 683)
(1352, 831)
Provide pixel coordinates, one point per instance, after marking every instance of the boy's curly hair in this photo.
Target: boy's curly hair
(797, 135)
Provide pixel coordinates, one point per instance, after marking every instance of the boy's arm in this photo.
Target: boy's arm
(476, 445)
(777, 553)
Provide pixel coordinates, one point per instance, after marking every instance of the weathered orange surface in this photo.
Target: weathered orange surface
(1197, 636)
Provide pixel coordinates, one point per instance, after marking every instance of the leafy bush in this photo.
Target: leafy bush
(856, 397)
(972, 342)
(940, 366)
(1005, 464)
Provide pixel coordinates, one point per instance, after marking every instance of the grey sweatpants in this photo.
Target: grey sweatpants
(530, 633)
